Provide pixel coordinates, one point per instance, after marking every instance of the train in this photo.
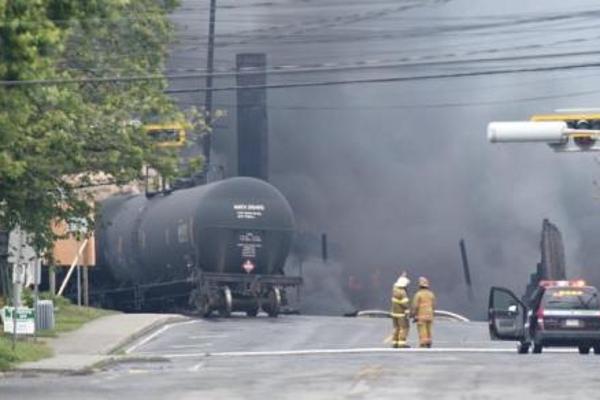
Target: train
(220, 246)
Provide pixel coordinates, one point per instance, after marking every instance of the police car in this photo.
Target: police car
(559, 313)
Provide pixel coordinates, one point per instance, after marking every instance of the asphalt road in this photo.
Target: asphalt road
(321, 358)
(370, 128)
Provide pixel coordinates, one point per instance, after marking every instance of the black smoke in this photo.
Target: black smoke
(398, 173)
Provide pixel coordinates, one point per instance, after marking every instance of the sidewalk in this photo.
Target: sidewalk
(96, 341)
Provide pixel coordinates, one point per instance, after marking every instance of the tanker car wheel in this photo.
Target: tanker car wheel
(226, 302)
(273, 302)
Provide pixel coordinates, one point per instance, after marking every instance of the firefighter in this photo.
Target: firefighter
(422, 308)
(400, 311)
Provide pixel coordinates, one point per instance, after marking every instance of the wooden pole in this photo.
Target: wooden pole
(208, 101)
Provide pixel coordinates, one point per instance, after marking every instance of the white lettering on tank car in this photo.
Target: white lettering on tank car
(249, 211)
(249, 242)
(250, 237)
(182, 233)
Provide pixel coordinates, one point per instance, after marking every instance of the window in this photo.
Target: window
(571, 298)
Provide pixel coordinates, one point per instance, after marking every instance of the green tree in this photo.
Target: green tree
(52, 132)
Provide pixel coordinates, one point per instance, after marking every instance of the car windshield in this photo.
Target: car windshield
(571, 298)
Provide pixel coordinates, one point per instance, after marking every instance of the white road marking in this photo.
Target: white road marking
(135, 371)
(197, 367)
(200, 337)
(366, 350)
(190, 346)
(360, 388)
(159, 332)
(359, 351)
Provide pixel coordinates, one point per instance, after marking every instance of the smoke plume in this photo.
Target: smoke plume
(397, 173)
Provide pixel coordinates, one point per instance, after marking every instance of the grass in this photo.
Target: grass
(25, 350)
(68, 317)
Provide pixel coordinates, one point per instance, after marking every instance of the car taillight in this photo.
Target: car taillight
(540, 318)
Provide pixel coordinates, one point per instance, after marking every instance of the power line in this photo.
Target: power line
(390, 79)
(300, 29)
(437, 55)
(180, 12)
(368, 33)
(410, 106)
(403, 62)
(371, 63)
(361, 65)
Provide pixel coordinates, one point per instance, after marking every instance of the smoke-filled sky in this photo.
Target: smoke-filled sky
(397, 172)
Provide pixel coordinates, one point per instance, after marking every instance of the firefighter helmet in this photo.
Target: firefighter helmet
(402, 281)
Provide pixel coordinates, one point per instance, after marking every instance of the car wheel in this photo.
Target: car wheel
(537, 348)
(597, 349)
(584, 350)
(523, 348)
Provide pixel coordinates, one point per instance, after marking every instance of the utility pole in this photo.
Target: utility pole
(17, 287)
(4, 275)
(208, 100)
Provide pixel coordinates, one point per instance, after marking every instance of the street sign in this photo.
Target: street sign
(24, 317)
(19, 272)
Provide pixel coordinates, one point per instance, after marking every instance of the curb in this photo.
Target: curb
(145, 331)
(87, 370)
(117, 360)
(110, 358)
(33, 372)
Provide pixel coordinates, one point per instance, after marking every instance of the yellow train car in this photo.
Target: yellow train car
(167, 135)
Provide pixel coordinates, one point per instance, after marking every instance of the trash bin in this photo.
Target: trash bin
(44, 315)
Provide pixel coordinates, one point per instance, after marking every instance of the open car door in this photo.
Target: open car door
(506, 315)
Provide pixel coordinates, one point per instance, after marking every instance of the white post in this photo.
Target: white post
(66, 280)
(17, 288)
(38, 278)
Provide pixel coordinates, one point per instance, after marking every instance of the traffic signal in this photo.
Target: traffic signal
(507, 132)
(584, 140)
(571, 132)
